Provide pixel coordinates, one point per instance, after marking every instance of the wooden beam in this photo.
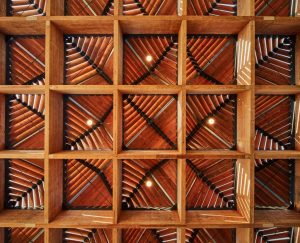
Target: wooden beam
(245, 8)
(2, 121)
(54, 189)
(182, 45)
(55, 8)
(53, 235)
(297, 185)
(22, 26)
(245, 55)
(118, 54)
(244, 179)
(244, 235)
(54, 59)
(116, 235)
(276, 218)
(2, 59)
(117, 189)
(181, 235)
(297, 59)
(221, 25)
(2, 184)
(84, 24)
(181, 189)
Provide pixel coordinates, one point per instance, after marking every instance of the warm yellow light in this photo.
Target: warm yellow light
(149, 58)
(89, 122)
(148, 183)
(211, 121)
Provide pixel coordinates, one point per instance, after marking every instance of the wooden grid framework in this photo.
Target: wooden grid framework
(53, 218)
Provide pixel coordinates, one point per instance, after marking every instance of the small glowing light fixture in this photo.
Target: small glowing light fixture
(89, 122)
(149, 58)
(211, 121)
(148, 183)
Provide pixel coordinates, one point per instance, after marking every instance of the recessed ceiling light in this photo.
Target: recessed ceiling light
(149, 58)
(89, 122)
(148, 183)
(211, 121)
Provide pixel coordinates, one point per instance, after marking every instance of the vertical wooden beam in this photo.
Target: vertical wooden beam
(182, 36)
(2, 59)
(297, 185)
(245, 8)
(117, 126)
(54, 54)
(55, 8)
(180, 235)
(297, 60)
(53, 235)
(116, 235)
(182, 7)
(243, 188)
(117, 189)
(2, 121)
(118, 7)
(118, 53)
(244, 235)
(181, 189)
(245, 55)
(2, 184)
(54, 189)
(3, 8)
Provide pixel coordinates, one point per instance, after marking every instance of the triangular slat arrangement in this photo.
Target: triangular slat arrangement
(149, 122)
(210, 184)
(89, 7)
(24, 235)
(149, 7)
(274, 180)
(275, 60)
(210, 235)
(26, 60)
(88, 59)
(136, 191)
(149, 235)
(212, 8)
(274, 122)
(25, 184)
(161, 68)
(25, 121)
(25, 8)
(87, 184)
(211, 59)
(87, 235)
(201, 135)
(88, 122)
(282, 235)
(275, 7)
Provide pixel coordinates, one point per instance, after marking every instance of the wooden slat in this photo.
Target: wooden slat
(181, 189)
(22, 89)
